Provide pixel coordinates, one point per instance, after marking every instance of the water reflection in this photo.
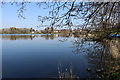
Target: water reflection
(28, 36)
(67, 73)
(103, 56)
(17, 37)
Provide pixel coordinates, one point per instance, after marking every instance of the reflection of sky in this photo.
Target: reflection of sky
(10, 15)
(40, 58)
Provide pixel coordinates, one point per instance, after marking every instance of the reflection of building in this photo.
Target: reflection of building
(56, 35)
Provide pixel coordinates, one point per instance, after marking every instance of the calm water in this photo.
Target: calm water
(39, 56)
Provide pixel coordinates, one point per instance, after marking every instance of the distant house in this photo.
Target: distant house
(56, 31)
(33, 32)
(65, 30)
(77, 30)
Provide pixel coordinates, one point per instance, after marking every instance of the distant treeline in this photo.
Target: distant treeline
(14, 30)
(51, 30)
(48, 30)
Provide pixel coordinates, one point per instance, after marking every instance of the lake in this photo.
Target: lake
(50, 56)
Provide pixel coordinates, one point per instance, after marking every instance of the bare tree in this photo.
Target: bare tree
(95, 15)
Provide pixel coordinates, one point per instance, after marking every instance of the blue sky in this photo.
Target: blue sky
(10, 16)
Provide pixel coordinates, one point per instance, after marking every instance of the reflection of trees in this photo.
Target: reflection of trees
(78, 45)
(46, 36)
(67, 74)
(97, 58)
(15, 37)
(85, 45)
(100, 56)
